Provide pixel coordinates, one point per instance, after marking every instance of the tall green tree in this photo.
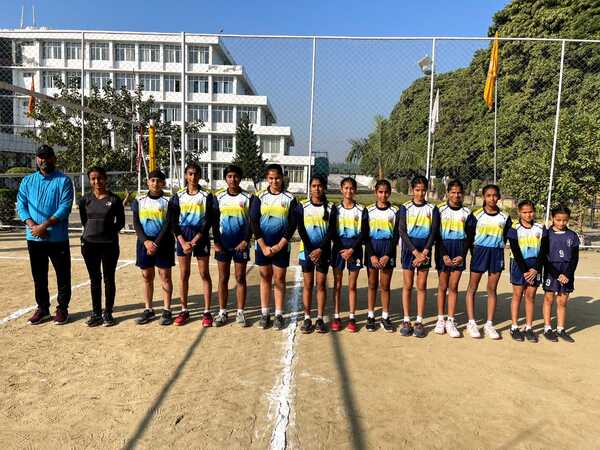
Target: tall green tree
(248, 154)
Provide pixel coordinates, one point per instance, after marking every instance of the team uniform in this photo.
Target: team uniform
(272, 217)
(349, 233)
(381, 233)
(525, 245)
(562, 258)
(452, 237)
(192, 215)
(315, 232)
(486, 234)
(152, 221)
(231, 224)
(418, 226)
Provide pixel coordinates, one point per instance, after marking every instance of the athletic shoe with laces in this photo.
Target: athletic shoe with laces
(406, 329)
(336, 324)
(517, 334)
(265, 322)
(451, 329)
(240, 318)
(473, 330)
(440, 326)
(371, 324)
(38, 317)
(182, 318)
(95, 320)
(320, 326)
(108, 320)
(351, 327)
(61, 316)
(419, 330)
(387, 325)
(490, 332)
(279, 322)
(221, 319)
(565, 336)
(146, 316)
(307, 326)
(166, 318)
(207, 319)
(551, 335)
(530, 335)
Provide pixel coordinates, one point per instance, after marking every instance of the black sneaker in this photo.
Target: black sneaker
(517, 335)
(166, 318)
(551, 335)
(419, 330)
(530, 335)
(94, 320)
(387, 325)
(371, 324)
(279, 323)
(565, 336)
(320, 326)
(147, 316)
(307, 326)
(108, 320)
(265, 322)
(406, 329)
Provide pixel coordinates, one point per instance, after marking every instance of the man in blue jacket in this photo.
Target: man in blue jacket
(44, 202)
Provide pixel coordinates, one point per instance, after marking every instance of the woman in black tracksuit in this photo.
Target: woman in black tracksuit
(103, 216)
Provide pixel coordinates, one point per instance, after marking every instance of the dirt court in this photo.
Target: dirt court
(149, 386)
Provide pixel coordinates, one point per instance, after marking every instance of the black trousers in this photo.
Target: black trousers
(59, 253)
(101, 259)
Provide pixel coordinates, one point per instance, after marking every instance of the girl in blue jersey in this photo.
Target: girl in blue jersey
(315, 218)
(486, 229)
(381, 219)
(272, 217)
(192, 220)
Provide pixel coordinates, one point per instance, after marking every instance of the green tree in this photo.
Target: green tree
(248, 154)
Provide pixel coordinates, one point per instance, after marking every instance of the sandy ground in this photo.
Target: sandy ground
(189, 387)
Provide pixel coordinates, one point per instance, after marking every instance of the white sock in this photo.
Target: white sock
(559, 329)
(351, 316)
(547, 328)
(336, 316)
(319, 317)
(370, 314)
(406, 319)
(183, 309)
(206, 311)
(278, 312)
(450, 318)
(513, 327)
(527, 327)
(489, 323)
(306, 316)
(264, 311)
(419, 319)
(222, 311)
(385, 315)
(472, 321)
(440, 317)
(240, 311)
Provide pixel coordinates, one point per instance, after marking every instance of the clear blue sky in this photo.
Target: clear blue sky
(355, 80)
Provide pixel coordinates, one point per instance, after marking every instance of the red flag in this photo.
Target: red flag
(31, 105)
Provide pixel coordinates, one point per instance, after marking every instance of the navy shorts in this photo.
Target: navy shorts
(201, 249)
(308, 266)
(164, 257)
(353, 264)
(229, 254)
(516, 276)
(454, 247)
(552, 284)
(487, 259)
(280, 259)
(407, 257)
(382, 247)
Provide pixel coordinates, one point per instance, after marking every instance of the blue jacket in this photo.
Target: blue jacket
(41, 197)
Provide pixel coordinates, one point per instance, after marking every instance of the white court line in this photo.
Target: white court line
(281, 394)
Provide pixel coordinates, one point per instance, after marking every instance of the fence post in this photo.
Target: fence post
(82, 84)
(430, 108)
(556, 121)
(183, 94)
(312, 107)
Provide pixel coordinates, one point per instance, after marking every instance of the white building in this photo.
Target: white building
(214, 90)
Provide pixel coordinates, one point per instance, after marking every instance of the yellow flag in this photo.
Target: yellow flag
(490, 81)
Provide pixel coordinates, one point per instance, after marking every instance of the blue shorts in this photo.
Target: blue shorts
(407, 257)
(201, 249)
(164, 257)
(382, 247)
(516, 276)
(454, 247)
(487, 259)
(229, 254)
(280, 259)
(552, 284)
(353, 264)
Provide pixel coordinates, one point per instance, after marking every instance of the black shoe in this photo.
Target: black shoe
(166, 318)
(94, 320)
(565, 336)
(517, 335)
(530, 335)
(320, 326)
(371, 324)
(147, 316)
(406, 329)
(307, 326)
(551, 335)
(108, 320)
(265, 322)
(419, 330)
(279, 323)
(387, 325)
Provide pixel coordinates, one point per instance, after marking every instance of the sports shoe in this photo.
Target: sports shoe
(265, 322)
(182, 318)
(451, 329)
(336, 324)
(38, 317)
(95, 320)
(490, 332)
(371, 324)
(320, 326)
(473, 330)
(419, 330)
(406, 329)
(240, 318)
(551, 335)
(351, 327)
(221, 319)
(307, 326)
(147, 316)
(207, 319)
(387, 325)
(530, 335)
(279, 322)
(517, 335)
(61, 317)
(565, 336)
(440, 326)
(166, 318)
(108, 320)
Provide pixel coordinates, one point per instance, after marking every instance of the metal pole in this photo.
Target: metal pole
(183, 93)
(171, 162)
(430, 107)
(495, 128)
(556, 121)
(82, 84)
(312, 107)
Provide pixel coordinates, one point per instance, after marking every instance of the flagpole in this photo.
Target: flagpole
(495, 128)
(430, 107)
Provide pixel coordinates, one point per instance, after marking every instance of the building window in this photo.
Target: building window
(99, 79)
(149, 52)
(222, 85)
(172, 83)
(74, 80)
(172, 53)
(27, 79)
(99, 51)
(295, 174)
(222, 114)
(250, 111)
(51, 50)
(217, 171)
(73, 50)
(124, 52)
(198, 84)
(197, 113)
(172, 113)
(270, 145)
(50, 79)
(198, 143)
(126, 80)
(197, 55)
(222, 144)
(150, 82)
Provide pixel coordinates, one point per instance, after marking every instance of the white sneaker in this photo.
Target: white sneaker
(451, 329)
(490, 331)
(439, 326)
(473, 330)
(240, 318)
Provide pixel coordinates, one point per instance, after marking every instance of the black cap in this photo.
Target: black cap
(157, 174)
(44, 151)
